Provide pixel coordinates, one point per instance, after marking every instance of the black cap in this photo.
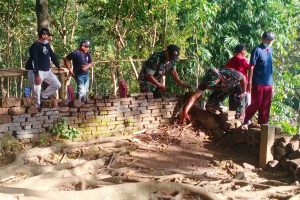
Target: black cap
(85, 43)
(173, 52)
(238, 48)
(268, 35)
(44, 31)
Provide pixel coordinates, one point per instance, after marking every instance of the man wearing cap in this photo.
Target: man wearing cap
(240, 63)
(82, 61)
(261, 80)
(222, 83)
(38, 66)
(156, 67)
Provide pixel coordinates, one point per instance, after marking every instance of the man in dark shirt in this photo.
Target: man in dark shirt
(82, 61)
(38, 66)
(222, 83)
(261, 80)
(156, 67)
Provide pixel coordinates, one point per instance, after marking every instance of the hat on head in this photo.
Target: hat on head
(210, 77)
(268, 35)
(173, 52)
(44, 31)
(85, 43)
(238, 48)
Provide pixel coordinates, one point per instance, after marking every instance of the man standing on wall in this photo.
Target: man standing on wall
(156, 67)
(261, 80)
(38, 67)
(82, 61)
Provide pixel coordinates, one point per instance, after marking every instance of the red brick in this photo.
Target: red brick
(3, 111)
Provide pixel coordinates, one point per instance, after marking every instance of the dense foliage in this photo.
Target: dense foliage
(206, 30)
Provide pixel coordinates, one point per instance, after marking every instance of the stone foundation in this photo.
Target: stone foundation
(100, 116)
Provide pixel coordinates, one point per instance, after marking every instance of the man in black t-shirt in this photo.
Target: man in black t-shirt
(38, 66)
(82, 61)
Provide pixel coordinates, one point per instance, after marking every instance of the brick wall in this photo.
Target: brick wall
(99, 116)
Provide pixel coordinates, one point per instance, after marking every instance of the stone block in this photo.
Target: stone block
(14, 128)
(10, 102)
(3, 111)
(4, 119)
(266, 145)
(90, 101)
(63, 109)
(18, 119)
(100, 104)
(73, 109)
(98, 97)
(28, 101)
(90, 113)
(16, 110)
(3, 128)
(75, 104)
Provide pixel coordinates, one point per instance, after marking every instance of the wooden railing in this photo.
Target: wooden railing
(12, 81)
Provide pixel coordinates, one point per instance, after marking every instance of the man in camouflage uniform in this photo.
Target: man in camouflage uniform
(222, 83)
(156, 67)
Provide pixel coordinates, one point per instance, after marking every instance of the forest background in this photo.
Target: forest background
(125, 32)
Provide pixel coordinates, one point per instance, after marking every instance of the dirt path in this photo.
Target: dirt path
(172, 162)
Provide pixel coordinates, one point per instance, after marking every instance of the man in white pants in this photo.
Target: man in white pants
(38, 67)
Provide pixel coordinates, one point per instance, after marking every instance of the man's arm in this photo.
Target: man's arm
(243, 82)
(153, 80)
(250, 75)
(184, 114)
(53, 57)
(178, 81)
(89, 64)
(35, 53)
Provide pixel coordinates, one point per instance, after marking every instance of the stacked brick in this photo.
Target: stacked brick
(99, 116)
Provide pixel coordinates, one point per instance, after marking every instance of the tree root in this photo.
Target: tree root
(268, 193)
(132, 191)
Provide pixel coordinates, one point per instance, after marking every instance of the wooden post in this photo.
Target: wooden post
(267, 139)
(8, 87)
(62, 90)
(21, 86)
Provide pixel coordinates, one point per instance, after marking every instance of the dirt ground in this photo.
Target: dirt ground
(180, 155)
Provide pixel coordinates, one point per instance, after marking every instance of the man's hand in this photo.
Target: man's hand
(71, 73)
(184, 117)
(162, 88)
(243, 95)
(37, 80)
(85, 67)
(184, 85)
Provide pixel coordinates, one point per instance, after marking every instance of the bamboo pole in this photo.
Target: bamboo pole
(134, 68)
(21, 86)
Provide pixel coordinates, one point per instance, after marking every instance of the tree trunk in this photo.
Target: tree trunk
(42, 14)
(64, 24)
(74, 25)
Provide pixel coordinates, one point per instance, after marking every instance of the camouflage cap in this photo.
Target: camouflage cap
(210, 77)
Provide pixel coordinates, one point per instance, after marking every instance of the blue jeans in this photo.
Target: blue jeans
(82, 86)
